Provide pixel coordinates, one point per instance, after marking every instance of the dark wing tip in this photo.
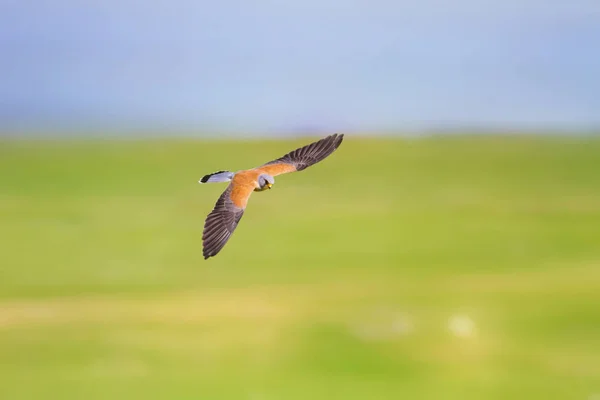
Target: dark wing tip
(215, 235)
(339, 137)
(332, 142)
(316, 152)
(219, 225)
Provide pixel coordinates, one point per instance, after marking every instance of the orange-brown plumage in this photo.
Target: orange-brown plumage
(229, 209)
(242, 186)
(277, 169)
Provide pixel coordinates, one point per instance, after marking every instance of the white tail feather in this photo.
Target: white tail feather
(221, 176)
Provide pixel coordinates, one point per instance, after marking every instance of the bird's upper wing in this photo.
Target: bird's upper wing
(225, 216)
(303, 157)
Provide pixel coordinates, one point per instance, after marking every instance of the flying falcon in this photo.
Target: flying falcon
(225, 216)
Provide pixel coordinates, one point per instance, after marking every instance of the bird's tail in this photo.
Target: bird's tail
(220, 176)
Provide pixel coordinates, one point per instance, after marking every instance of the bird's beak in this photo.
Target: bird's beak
(269, 185)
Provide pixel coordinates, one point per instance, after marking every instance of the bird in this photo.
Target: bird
(227, 212)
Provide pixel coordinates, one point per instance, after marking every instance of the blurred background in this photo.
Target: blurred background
(450, 248)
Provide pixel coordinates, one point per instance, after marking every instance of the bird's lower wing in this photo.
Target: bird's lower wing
(223, 219)
(303, 157)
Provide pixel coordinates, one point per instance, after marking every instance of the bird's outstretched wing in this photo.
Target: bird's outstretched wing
(303, 157)
(224, 218)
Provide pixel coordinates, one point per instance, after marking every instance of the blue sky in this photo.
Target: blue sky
(271, 65)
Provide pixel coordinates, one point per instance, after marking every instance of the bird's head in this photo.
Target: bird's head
(265, 181)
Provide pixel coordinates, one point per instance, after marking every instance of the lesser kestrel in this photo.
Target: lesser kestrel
(227, 212)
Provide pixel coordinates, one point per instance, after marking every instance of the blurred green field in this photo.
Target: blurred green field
(338, 283)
